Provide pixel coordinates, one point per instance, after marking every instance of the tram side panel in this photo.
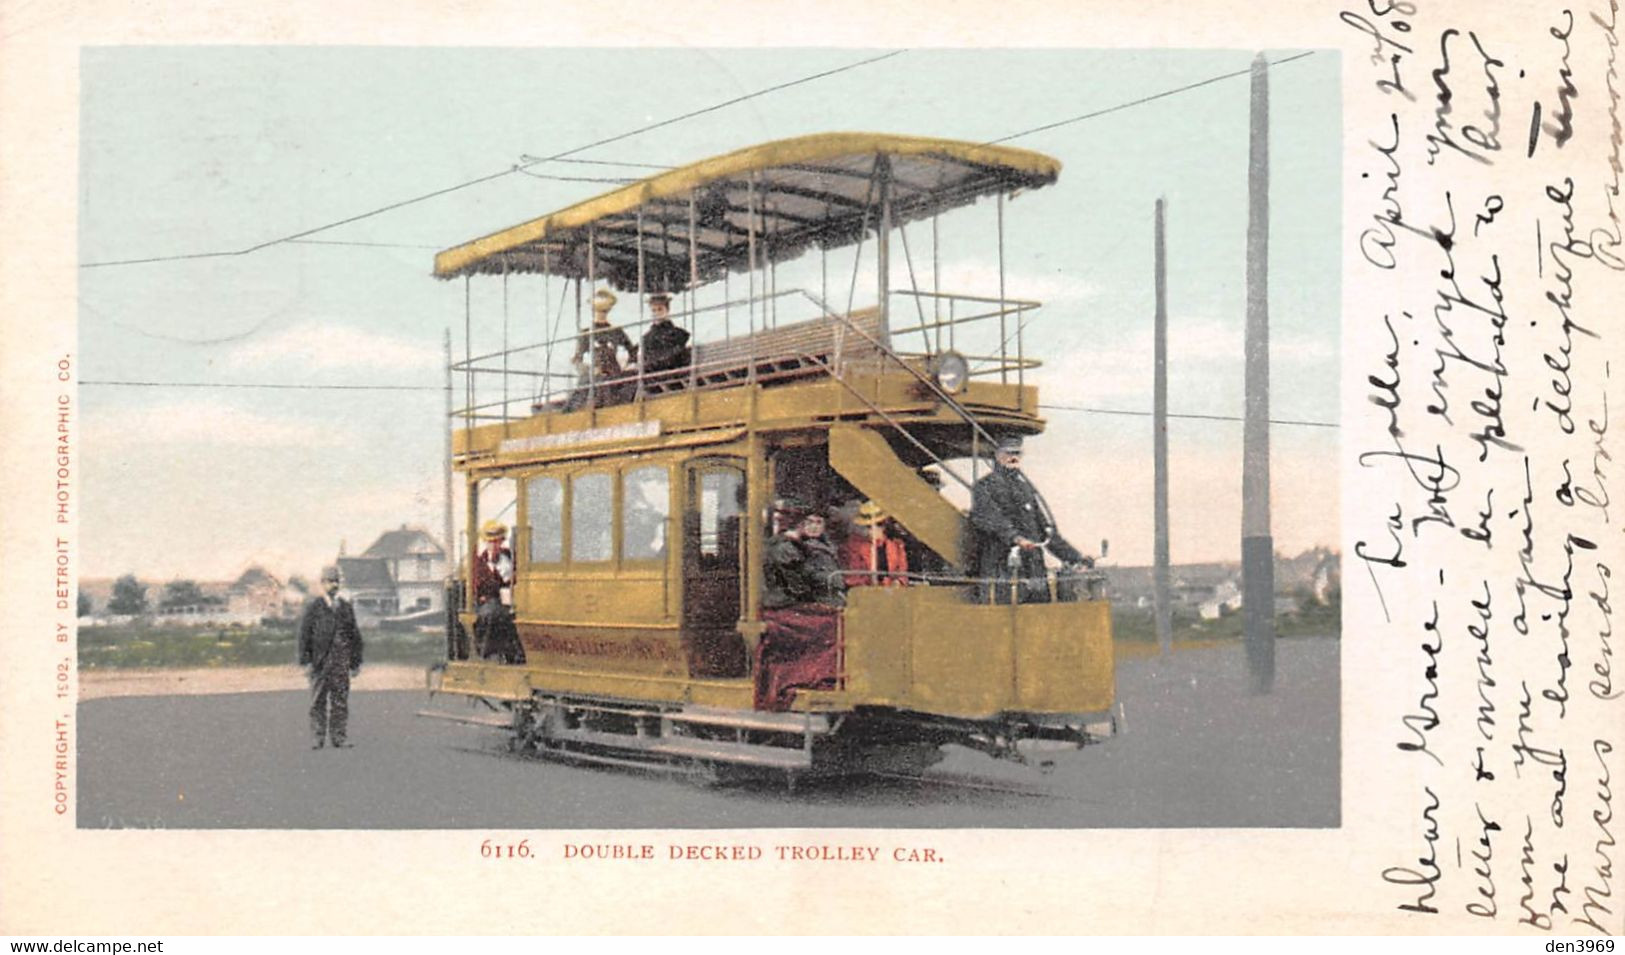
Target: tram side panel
(926, 649)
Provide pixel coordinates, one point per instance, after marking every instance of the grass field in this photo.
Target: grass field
(1130, 625)
(136, 646)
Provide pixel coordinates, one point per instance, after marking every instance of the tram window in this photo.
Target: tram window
(645, 505)
(544, 509)
(719, 513)
(592, 510)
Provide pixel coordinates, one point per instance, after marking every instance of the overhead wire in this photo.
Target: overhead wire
(526, 157)
(615, 181)
(1143, 100)
(517, 167)
(1024, 321)
(527, 161)
(370, 245)
(1196, 417)
(564, 157)
(278, 386)
(284, 386)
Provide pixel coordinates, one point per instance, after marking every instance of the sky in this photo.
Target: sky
(194, 150)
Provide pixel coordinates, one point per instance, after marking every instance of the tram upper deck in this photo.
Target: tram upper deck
(914, 355)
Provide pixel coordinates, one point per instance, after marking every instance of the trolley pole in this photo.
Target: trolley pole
(1159, 436)
(883, 250)
(1257, 544)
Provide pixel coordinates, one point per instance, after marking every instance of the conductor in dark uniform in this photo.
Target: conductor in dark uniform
(330, 652)
(665, 346)
(1013, 527)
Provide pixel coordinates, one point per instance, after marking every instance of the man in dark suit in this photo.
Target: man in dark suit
(1013, 527)
(330, 652)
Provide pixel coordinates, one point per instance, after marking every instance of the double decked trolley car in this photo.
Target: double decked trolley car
(641, 500)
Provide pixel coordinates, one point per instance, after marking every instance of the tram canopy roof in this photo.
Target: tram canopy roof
(819, 190)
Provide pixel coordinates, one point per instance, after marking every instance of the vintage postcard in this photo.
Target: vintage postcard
(860, 463)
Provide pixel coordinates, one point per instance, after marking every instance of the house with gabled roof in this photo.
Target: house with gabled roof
(367, 584)
(255, 594)
(404, 571)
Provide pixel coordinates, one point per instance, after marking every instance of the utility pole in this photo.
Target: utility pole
(445, 475)
(1257, 544)
(1159, 437)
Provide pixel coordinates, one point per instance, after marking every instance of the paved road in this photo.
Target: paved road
(1200, 751)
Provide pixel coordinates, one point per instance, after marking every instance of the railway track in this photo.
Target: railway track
(683, 769)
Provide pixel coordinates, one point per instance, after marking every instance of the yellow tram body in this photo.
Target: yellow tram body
(639, 639)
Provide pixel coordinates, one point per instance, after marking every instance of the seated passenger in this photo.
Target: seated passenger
(875, 556)
(802, 597)
(495, 636)
(603, 382)
(665, 346)
(801, 565)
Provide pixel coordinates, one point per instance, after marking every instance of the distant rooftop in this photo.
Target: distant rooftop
(405, 542)
(365, 573)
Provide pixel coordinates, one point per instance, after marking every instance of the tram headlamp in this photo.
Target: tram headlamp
(952, 372)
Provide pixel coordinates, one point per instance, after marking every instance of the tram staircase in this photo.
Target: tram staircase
(867, 460)
(860, 454)
(863, 457)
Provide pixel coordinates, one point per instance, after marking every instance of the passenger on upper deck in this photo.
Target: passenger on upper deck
(802, 597)
(871, 554)
(1013, 526)
(604, 380)
(665, 346)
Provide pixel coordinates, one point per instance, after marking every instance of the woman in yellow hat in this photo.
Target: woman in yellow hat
(605, 380)
(871, 553)
(494, 632)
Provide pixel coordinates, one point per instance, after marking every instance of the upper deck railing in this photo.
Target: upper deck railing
(765, 339)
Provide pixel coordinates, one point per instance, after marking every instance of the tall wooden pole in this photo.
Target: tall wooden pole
(454, 648)
(1159, 438)
(450, 541)
(1257, 544)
